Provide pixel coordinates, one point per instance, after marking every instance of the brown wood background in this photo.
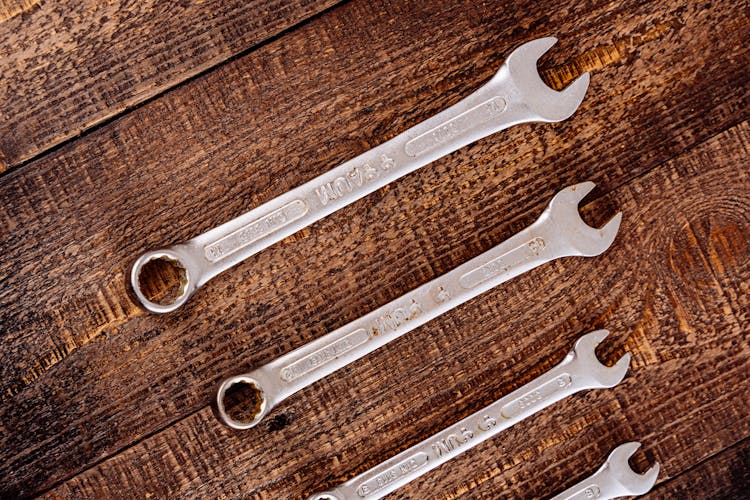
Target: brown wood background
(131, 125)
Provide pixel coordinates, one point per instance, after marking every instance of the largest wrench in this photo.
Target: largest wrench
(514, 95)
(559, 232)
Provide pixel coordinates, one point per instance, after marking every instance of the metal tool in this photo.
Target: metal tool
(580, 370)
(514, 95)
(614, 479)
(558, 232)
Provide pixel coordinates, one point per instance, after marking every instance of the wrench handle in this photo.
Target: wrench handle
(484, 112)
(585, 490)
(551, 387)
(309, 363)
(492, 108)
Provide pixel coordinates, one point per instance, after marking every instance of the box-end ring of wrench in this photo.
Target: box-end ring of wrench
(558, 232)
(614, 479)
(515, 94)
(578, 371)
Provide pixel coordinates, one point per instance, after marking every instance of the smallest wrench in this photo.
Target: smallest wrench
(614, 479)
(578, 371)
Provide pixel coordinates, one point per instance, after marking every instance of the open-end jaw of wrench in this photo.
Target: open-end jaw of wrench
(580, 370)
(614, 479)
(516, 94)
(558, 232)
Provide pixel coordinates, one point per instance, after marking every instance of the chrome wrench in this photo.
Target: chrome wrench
(559, 232)
(516, 94)
(580, 370)
(614, 479)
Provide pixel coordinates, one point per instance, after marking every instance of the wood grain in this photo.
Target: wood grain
(677, 325)
(11, 8)
(725, 475)
(87, 377)
(68, 67)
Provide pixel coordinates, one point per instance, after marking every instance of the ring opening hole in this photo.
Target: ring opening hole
(162, 280)
(243, 401)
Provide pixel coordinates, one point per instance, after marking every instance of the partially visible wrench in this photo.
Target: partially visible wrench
(514, 95)
(580, 370)
(614, 479)
(559, 232)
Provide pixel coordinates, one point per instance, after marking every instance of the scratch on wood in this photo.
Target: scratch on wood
(642, 352)
(133, 429)
(605, 55)
(683, 325)
(727, 245)
(112, 308)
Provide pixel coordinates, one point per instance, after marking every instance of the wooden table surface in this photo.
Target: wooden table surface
(131, 125)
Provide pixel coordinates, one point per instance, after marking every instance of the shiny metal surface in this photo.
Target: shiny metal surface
(558, 232)
(516, 94)
(580, 370)
(614, 479)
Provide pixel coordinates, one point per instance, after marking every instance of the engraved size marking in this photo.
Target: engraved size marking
(399, 470)
(537, 245)
(353, 179)
(591, 491)
(386, 163)
(478, 115)
(345, 184)
(391, 320)
(448, 444)
(442, 295)
(502, 264)
(255, 230)
(322, 356)
(530, 399)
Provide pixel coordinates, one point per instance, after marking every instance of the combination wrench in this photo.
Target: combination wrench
(558, 232)
(614, 479)
(578, 371)
(515, 94)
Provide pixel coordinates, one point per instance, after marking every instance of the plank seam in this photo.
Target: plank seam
(192, 413)
(103, 122)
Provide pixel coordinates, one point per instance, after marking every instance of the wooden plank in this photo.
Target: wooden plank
(685, 397)
(68, 67)
(85, 373)
(11, 8)
(725, 475)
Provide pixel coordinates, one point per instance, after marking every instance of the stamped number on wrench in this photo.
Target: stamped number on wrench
(558, 232)
(516, 94)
